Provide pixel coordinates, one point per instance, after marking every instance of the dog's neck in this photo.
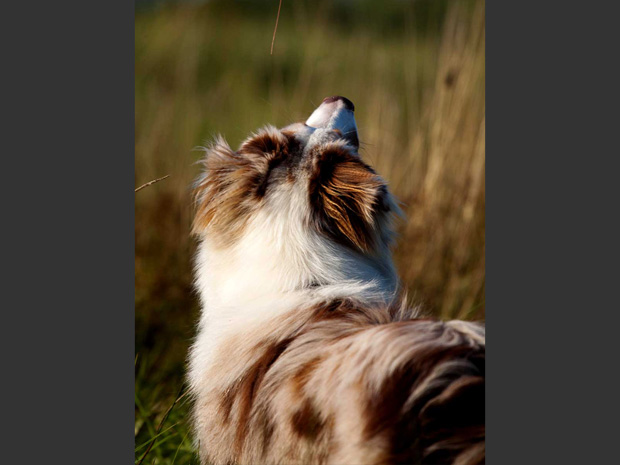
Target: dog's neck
(283, 268)
(276, 270)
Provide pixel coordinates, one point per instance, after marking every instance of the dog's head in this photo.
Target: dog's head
(302, 184)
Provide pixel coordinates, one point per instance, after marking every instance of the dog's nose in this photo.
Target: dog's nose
(330, 111)
(348, 104)
(336, 113)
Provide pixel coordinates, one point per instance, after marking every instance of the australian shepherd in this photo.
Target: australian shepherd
(305, 353)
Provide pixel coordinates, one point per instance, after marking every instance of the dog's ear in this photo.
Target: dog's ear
(349, 199)
(269, 143)
(233, 183)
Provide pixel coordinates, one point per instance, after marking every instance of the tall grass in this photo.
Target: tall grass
(420, 108)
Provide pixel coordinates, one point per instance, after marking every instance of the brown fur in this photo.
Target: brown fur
(235, 182)
(347, 196)
(414, 388)
(349, 200)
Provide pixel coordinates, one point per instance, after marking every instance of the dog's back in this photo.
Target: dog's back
(349, 385)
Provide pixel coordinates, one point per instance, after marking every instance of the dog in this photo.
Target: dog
(305, 353)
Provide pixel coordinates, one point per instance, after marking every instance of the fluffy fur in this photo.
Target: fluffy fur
(305, 353)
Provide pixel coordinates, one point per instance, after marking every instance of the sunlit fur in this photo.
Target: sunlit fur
(305, 352)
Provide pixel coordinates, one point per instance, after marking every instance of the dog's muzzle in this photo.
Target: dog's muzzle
(336, 114)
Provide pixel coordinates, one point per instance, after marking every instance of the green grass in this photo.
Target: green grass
(161, 427)
(415, 71)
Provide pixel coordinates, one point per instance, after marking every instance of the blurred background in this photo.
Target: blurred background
(416, 73)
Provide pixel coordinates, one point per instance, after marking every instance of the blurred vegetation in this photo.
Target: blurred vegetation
(415, 71)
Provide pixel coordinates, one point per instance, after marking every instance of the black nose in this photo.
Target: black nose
(348, 104)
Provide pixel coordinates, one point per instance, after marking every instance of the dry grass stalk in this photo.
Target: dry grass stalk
(273, 39)
(151, 182)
